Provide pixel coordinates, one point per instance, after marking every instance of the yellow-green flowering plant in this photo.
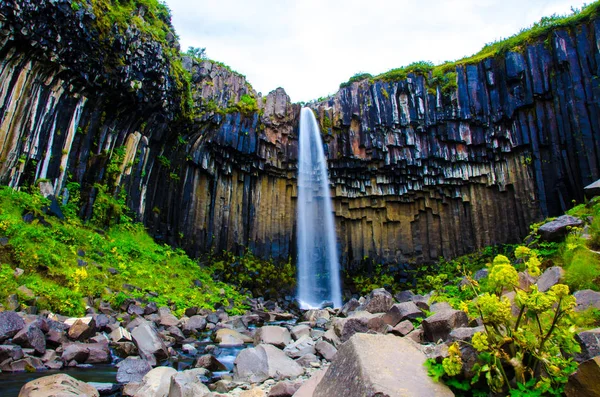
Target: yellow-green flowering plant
(527, 343)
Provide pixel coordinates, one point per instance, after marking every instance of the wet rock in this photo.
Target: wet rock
(262, 362)
(104, 388)
(175, 333)
(10, 324)
(550, 277)
(209, 362)
(57, 385)
(368, 365)
(402, 311)
(558, 228)
(273, 335)
(439, 325)
(125, 349)
(132, 370)
(25, 364)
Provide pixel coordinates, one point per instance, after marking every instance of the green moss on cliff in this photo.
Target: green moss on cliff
(152, 19)
(444, 75)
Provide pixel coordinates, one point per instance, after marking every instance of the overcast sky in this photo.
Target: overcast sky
(309, 47)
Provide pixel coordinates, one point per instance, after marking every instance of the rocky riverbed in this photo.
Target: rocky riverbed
(375, 344)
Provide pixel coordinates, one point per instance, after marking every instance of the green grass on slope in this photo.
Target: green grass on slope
(52, 255)
(443, 74)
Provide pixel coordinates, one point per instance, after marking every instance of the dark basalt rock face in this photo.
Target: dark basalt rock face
(417, 172)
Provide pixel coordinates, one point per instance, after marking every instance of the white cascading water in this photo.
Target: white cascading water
(318, 263)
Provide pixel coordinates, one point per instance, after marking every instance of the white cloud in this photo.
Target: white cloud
(309, 47)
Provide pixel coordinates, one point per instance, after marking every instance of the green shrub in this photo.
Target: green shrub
(262, 277)
(528, 353)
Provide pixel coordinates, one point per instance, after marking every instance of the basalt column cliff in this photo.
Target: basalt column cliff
(419, 169)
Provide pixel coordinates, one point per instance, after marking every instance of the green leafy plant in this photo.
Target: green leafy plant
(532, 349)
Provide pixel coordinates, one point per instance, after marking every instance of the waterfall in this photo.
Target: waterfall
(318, 263)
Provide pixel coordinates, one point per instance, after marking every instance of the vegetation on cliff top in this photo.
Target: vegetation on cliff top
(443, 75)
(67, 261)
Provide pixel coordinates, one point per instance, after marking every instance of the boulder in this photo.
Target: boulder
(10, 324)
(132, 370)
(299, 348)
(25, 364)
(313, 315)
(550, 277)
(230, 337)
(378, 301)
(33, 337)
(259, 363)
(590, 344)
(402, 311)
(57, 385)
(587, 299)
(167, 319)
(149, 343)
(272, 335)
(81, 330)
(308, 360)
(439, 325)
(464, 334)
(557, 229)
(89, 353)
(404, 296)
(194, 324)
(156, 383)
(120, 335)
(586, 380)
(403, 328)
(308, 388)
(325, 350)
(359, 321)
(300, 330)
(209, 362)
(188, 384)
(370, 365)
(349, 307)
(592, 190)
(284, 388)
(10, 351)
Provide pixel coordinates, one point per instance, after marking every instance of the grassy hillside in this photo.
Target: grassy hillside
(67, 261)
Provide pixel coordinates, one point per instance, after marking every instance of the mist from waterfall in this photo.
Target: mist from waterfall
(318, 263)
